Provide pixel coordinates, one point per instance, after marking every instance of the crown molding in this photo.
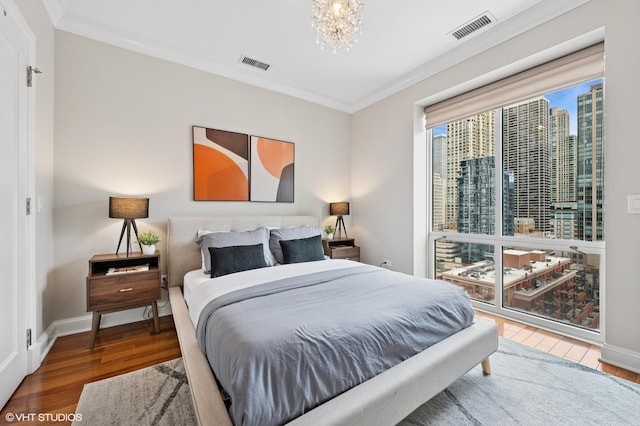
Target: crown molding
(67, 21)
(490, 37)
(56, 10)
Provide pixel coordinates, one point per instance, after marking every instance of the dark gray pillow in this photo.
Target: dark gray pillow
(293, 233)
(227, 260)
(302, 250)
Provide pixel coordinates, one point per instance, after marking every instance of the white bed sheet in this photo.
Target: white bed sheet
(200, 289)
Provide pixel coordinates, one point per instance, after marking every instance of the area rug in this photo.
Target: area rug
(526, 387)
(156, 395)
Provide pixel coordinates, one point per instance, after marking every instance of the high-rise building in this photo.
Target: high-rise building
(438, 210)
(439, 152)
(439, 181)
(476, 196)
(590, 178)
(508, 203)
(447, 256)
(563, 157)
(527, 153)
(477, 204)
(564, 170)
(564, 219)
(472, 137)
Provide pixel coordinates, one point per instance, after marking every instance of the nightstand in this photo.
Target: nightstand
(341, 248)
(117, 282)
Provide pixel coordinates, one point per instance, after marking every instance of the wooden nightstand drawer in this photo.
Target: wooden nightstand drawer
(116, 282)
(341, 248)
(111, 292)
(351, 253)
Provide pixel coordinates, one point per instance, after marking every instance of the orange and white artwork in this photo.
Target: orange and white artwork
(220, 165)
(272, 170)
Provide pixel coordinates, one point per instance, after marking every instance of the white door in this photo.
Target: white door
(14, 277)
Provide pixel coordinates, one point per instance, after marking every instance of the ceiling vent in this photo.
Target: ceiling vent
(474, 25)
(254, 63)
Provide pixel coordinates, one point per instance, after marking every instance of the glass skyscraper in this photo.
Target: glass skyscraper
(477, 204)
(590, 178)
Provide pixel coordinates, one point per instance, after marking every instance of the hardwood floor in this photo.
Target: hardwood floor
(56, 386)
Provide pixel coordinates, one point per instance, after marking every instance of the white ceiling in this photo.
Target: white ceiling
(402, 41)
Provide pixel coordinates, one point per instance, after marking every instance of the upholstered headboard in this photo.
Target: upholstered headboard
(183, 254)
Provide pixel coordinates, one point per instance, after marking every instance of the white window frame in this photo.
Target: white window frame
(469, 101)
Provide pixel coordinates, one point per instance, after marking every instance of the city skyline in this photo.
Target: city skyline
(566, 99)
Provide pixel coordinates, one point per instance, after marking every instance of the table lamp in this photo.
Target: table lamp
(339, 209)
(128, 209)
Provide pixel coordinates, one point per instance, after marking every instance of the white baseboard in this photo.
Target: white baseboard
(65, 327)
(621, 357)
(41, 347)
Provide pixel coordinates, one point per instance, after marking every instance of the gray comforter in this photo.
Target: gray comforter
(280, 349)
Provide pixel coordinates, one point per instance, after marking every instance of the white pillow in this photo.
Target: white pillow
(200, 233)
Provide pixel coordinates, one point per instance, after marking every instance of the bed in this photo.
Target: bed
(386, 398)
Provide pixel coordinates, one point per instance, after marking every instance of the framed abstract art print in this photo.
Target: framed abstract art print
(220, 165)
(230, 166)
(272, 170)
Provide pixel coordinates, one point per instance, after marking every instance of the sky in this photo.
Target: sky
(564, 99)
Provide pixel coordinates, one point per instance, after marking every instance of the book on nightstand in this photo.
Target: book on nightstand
(127, 269)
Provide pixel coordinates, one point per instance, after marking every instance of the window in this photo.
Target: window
(517, 193)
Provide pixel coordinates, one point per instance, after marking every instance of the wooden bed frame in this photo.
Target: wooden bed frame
(384, 399)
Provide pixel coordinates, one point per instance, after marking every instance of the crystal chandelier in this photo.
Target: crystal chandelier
(337, 23)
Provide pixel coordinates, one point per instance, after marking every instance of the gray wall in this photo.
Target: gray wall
(382, 173)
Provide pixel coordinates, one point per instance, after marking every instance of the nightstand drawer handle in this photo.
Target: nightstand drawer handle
(124, 290)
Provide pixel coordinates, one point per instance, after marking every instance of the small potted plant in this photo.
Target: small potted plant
(148, 241)
(329, 230)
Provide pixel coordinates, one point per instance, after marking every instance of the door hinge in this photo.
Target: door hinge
(30, 71)
(28, 206)
(28, 337)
